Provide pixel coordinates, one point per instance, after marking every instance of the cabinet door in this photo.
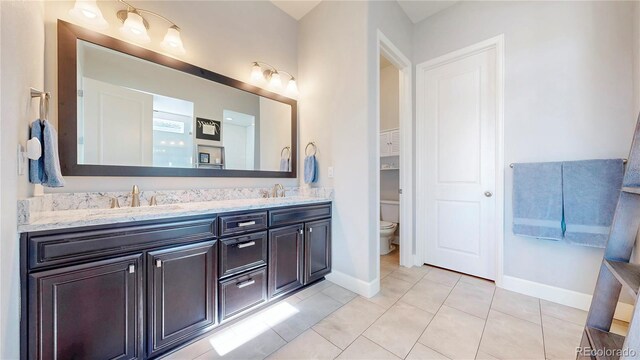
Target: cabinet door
(285, 260)
(384, 144)
(90, 311)
(317, 250)
(394, 142)
(181, 293)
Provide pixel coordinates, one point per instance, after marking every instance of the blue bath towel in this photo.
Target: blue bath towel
(36, 167)
(310, 169)
(537, 200)
(590, 189)
(46, 170)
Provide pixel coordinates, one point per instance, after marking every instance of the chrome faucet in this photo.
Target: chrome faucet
(277, 188)
(135, 196)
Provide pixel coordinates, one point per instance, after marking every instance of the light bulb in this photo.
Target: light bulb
(292, 87)
(256, 72)
(275, 82)
(172, 41)
(134, 28)
(88, 13)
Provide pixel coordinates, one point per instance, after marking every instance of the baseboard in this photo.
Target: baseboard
(360, 287)
(559, 295)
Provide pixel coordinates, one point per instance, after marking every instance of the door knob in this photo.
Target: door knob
(488, 194)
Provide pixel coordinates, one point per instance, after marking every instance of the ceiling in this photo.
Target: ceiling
(296, 8)
(420, 10)
(416, 10)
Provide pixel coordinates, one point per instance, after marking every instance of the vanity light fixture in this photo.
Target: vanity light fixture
(135, 27)
(264, 72)
(87, 12)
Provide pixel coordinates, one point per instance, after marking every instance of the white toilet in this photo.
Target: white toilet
(390, 215)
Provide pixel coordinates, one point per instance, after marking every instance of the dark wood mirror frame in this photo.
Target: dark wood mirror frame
(68, 36)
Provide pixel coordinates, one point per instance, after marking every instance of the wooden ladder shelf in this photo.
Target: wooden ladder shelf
(616, 273)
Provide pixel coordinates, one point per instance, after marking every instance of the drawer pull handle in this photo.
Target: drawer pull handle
(158, 263)
(247, 244)
(245, 284)
(132, 269)
(247, 223)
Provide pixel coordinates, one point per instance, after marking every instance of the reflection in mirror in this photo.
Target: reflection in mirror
(133, 112)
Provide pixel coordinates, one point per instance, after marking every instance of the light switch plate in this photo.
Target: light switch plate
(330, 172)
(22, 160)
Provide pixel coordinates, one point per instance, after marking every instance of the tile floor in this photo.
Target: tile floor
(419, 313)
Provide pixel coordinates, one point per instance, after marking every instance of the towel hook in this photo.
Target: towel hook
(288, 149)
(315, 149)
(44, 102)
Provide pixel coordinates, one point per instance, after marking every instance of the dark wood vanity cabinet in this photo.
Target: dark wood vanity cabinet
(89, 311)
(317, 250)
(286, 257)
(181, 287)
(141, 290)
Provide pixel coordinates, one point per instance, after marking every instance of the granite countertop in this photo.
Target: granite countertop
(50, 220)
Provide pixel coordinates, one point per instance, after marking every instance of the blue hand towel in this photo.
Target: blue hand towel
(53, 175)
(36, 167)
(284, 165)
(537, 200)
(591, 189)
(310, 169)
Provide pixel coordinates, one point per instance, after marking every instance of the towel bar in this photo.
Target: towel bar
(315, 148)
(288, 149)
(44, 102)
(624, 161)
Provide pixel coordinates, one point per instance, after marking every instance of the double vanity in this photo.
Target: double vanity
(139, 283)
(141, 289)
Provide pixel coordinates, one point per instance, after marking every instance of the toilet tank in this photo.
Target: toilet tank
(390, 210)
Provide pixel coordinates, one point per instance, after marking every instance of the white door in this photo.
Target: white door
(459, 163)
(117, 125)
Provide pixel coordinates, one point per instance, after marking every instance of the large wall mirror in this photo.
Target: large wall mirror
(128, 111)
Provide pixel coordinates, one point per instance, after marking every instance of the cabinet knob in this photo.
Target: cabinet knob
(310, 229)
(132, 269)
(158, 263)
(301, 232)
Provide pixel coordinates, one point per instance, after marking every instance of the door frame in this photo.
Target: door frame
(385, 47)
(496, 43)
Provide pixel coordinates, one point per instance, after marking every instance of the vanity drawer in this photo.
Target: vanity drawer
(58, 247)
(242, 292)
(299, 214)
(243, 252)
(242, 223)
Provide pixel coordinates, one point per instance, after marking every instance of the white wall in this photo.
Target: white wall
(227, 39)
(568, 96)
(338, 69)
(21, 66)
(389, 97)
(636, 58)
(334, 114)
